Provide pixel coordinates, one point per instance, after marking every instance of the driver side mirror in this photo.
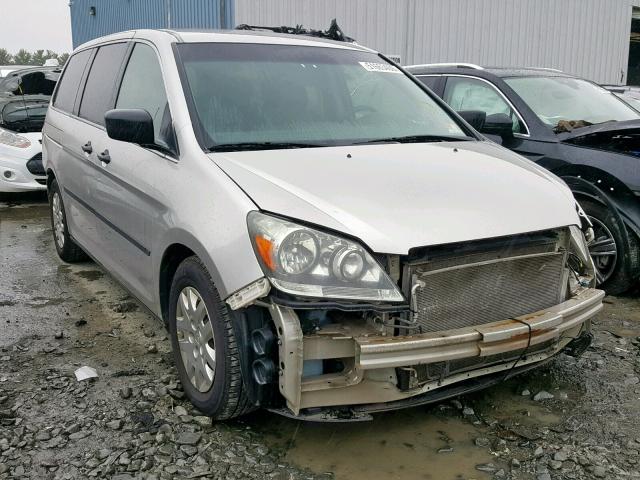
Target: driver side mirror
(499, 124)
(130, 125)
(475, 118)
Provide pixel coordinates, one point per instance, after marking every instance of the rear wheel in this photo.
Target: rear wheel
(67, 249)
(615, 251)
(204, 344)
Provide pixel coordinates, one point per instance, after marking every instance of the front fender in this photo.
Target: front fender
(229, 273)
(625, 208)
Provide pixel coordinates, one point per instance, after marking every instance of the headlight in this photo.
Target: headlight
(580, 261)
(307, 262)
(13, 140)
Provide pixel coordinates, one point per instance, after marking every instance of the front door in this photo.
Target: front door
(124, 189)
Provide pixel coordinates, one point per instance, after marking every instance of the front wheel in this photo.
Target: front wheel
(616, 256)
(204, 344)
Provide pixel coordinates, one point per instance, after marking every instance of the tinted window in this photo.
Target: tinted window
(429, 81)
(142, 87)
(464, 94)
(98, 92)
(66, 96)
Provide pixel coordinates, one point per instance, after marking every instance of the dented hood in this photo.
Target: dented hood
(397, 196)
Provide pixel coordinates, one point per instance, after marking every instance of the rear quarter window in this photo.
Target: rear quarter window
(70, 82)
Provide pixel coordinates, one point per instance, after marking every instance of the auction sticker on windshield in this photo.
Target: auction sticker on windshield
(379, 67)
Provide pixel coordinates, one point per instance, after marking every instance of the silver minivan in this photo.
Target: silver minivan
(323, 236)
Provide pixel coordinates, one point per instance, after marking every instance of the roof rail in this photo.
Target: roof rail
(548, 69)
(333, 33)
(450, 64)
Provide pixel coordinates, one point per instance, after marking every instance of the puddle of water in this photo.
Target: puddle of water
(90, 275)
(395, 445)
(507, 405)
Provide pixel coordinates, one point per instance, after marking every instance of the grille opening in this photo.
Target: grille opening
(34, 165)
(483, 282)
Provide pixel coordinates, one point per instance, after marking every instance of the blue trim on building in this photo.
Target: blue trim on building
(95, 18)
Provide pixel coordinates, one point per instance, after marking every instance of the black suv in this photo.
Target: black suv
(571, 126)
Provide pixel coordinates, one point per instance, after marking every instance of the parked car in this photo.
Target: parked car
(631, 95)
(24, 99)
(7, 69)
(323, 236)
(572, 127)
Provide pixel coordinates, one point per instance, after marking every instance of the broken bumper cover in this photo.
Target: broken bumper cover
(482, 340)
(489, 352)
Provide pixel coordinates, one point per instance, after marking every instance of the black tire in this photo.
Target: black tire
(67, 249)
(226, 398)
(626, 270)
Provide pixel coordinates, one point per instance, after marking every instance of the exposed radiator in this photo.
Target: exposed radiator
(487, 291)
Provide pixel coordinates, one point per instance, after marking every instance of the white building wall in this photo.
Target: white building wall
(589, 38)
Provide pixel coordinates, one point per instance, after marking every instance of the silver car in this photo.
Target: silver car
(322, 235)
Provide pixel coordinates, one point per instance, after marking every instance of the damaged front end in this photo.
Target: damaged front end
(616, 137)
(468, 315)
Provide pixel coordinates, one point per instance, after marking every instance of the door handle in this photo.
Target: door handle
(87, 148)
(104, 156)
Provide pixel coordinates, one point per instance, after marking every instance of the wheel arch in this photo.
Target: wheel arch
(596, 184)
(172, 257)
(178, 246)
(51, 176)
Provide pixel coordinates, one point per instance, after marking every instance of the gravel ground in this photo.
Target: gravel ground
(572, 419)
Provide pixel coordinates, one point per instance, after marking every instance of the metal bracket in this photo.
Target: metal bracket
(290, 354)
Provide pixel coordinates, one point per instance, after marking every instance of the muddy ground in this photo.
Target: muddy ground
(569, 420)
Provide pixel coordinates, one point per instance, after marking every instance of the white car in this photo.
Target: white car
(24, 99)
(5, 70)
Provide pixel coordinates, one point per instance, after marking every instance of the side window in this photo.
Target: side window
(98, 91)
(429, 81)
(68, 85)
(142, 87)
(470, 94)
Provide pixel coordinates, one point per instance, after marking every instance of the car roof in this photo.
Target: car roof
(502, 72)
(226, 36)
(23, 70)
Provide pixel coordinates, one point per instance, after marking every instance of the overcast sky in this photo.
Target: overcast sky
(34, 25)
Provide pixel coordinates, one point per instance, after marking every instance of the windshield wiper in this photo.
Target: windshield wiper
(417, 139)
(248, 146)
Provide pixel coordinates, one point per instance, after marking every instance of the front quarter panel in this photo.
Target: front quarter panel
(206, 212)
(625, 168)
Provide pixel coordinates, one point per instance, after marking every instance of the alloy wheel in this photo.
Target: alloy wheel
(58, 220)
(603, 250)
(196, 339)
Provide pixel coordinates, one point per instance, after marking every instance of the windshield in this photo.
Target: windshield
(271, 96)
(556, 100)
(630, 99)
